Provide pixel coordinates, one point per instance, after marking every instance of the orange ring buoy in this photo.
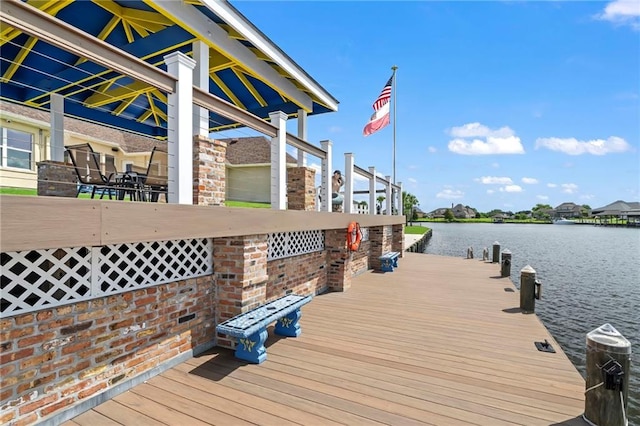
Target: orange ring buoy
(354, 236)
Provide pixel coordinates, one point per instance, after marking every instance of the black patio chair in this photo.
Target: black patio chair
(86, 163)
(156, 180)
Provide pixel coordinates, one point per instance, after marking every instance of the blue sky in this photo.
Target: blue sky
(499, 104)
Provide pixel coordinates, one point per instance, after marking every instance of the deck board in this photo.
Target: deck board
(438, 341)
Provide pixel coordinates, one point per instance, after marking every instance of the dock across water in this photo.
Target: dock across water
(439, 341)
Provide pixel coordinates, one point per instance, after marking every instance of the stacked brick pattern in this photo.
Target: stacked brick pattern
(397, 235)
(360, 259)
(56, 179)
(209, 181)
(381, 241)
(301, 191)
(58, 357)
(305, 274)
(338, 260)
(241, 277)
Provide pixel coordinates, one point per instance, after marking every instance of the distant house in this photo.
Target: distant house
(419, 213)
(567, 210)
(437, 213)
(618, 209)
(463, 212)
(248, 169)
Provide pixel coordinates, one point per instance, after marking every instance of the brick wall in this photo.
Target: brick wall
(397, 238)
(305, 274)
(360, 259)
(209, 179)
(381, 241)
(301, 190)
(55, 358)
(241, 277)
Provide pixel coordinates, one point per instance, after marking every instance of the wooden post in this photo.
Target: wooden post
(528, 290)
(505, 269)
(485, 254)
(470, 253)
(496, 253)
(607, 385)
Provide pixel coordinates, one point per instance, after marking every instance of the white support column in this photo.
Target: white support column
(372, 192)
(389, 198)
(279, 161)
(302, 134)
(56, 147)
(326, 172)
(348, 183)
(179, 127)
(400, 201)
(201, 80)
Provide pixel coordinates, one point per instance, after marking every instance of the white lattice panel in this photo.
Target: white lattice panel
(123, 267)
(288, 244)
(37, 279)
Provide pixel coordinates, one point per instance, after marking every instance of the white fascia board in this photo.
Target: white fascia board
(225, 11)
(205, 29)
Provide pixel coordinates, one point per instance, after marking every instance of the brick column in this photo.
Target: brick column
(56, 179)
(338, 260)
(397, 239)
(241, 277)
(380, 240)
(209, 181)
(301, 190)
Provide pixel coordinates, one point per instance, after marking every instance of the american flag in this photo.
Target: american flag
(384, 96)
(380, 117)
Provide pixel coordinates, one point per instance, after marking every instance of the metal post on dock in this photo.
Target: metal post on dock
(529, 290)
(485, 254)
(496, 252)
(505, 268)
(470, 253)
(607, 385)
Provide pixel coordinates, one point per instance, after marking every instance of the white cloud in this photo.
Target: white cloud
(450, 194)
(587, 197)
(495, 165)
(552, 185)
(622, 12)
(529, 181)
(472, 130)
(412, 180)
(478, 139)
(542, 197)
(432, 149)
(569, 188)
(316, 167)
(494, 180)
(490, 191)
(511, 188)
(572, 146)
(335, 129)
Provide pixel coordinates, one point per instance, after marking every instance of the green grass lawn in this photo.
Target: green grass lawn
(415, 229)
(17, 191)
(248, 204)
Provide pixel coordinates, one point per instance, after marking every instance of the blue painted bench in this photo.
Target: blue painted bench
(389, 260)
(250, 328)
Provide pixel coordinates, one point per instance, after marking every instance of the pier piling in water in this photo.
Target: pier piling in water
(529, 290)
(496, 253)
(607, 385)
(470, 253)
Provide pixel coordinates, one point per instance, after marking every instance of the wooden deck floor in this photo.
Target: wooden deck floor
(439, 341)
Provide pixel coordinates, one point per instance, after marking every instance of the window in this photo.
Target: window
(16, 149)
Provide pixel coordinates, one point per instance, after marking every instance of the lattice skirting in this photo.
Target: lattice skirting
(288, 244)
(38, 279)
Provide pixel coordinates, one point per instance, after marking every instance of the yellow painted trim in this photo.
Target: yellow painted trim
(139, 29)
(120, 93)
(123, 105)
(34, 101)
(110, 7)
(232, 32)
(250, 87)
(227, 91)
(218, 61)
(144, 116)
(161, 96)
(153, 108)
(111, 25)
(52, 7)
(20, 57)
(127, 31)
(145, 16)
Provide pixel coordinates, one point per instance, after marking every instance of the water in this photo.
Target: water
(590, 276)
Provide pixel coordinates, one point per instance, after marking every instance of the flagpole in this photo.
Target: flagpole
(393, 92)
